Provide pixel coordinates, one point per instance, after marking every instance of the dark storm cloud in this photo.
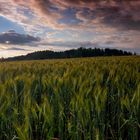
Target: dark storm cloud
(16, 49)
(11, 37)
(125, 16)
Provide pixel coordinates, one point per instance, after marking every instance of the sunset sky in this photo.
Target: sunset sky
(32, 25)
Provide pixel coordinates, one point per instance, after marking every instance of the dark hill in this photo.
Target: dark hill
(74, 53)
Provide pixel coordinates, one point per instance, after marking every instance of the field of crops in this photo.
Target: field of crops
(73, 99)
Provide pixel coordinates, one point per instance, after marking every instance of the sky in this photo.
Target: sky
(33, 25)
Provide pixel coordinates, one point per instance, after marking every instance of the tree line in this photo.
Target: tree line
(73, 53)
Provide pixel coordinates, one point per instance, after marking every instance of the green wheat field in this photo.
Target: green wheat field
(70, 99)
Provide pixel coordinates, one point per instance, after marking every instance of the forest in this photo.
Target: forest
(73, 53)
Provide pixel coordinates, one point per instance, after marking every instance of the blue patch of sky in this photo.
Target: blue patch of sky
(6, 25)
(53, 8)
(64, 35)
(69, 17)
(27, 12)
(44, 31)
(69, 35)
(89, 14)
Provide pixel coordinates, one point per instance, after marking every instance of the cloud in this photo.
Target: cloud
(119, 14)
(39, 13)
(16, 49)
(11, 37)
